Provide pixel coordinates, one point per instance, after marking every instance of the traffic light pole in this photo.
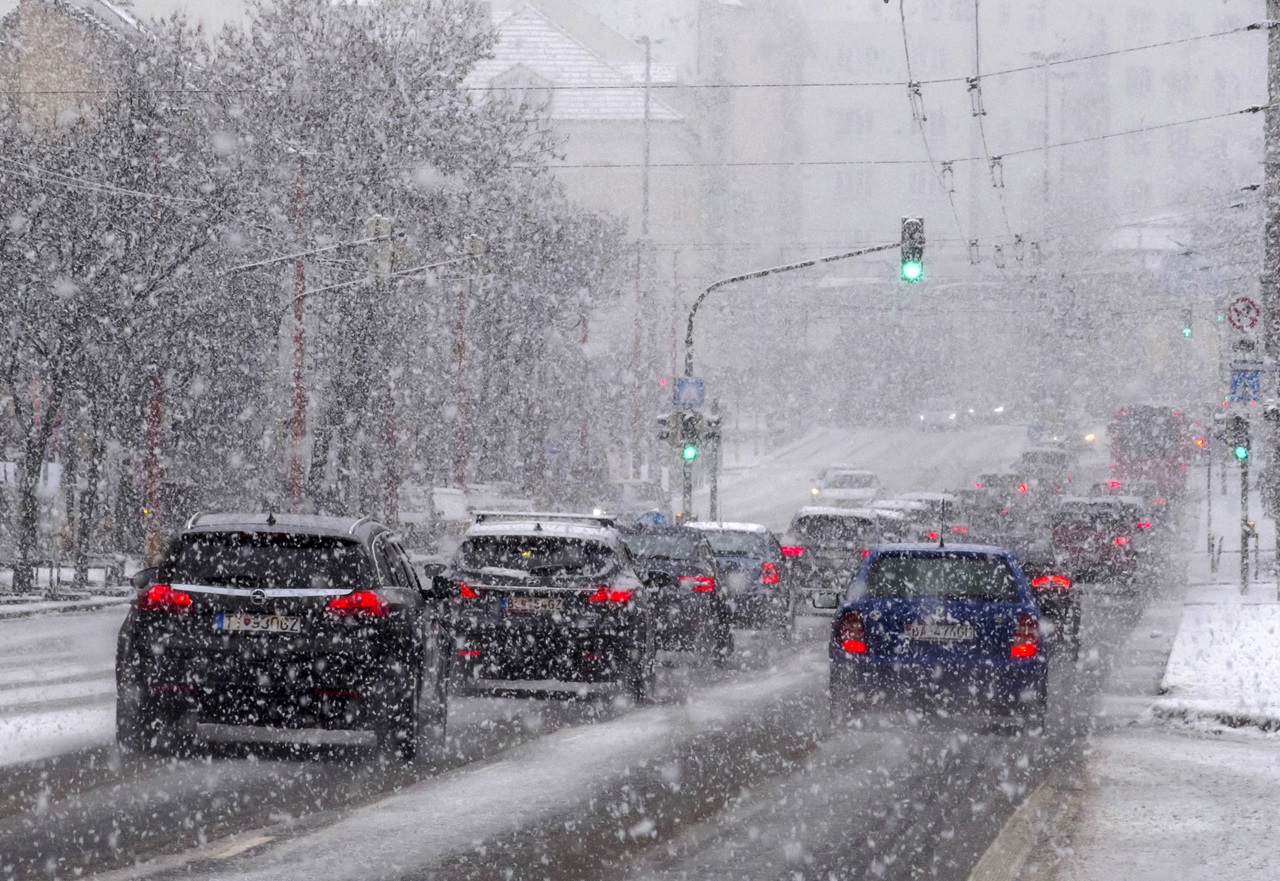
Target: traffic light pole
(1245, 529)
(686, 476)
(761, 273)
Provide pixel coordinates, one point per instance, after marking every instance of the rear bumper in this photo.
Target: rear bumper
(690, 621)
(757, 608)
(1006, 685)
(510, 651)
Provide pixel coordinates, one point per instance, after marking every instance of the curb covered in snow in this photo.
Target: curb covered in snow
(18, 609)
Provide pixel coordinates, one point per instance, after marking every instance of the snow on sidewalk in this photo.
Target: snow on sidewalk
(1162, 805)
(1225, 663)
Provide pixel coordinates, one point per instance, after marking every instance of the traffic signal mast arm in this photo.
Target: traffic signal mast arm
(761, 273)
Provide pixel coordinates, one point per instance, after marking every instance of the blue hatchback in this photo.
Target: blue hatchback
(955, 624)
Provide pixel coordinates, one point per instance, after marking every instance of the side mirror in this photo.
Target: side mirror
(144, 578)
(826, 601)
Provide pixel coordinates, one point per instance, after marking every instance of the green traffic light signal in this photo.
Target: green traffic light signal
(1186, 331)
(1241, 452)
(689, 453)
(912, 270)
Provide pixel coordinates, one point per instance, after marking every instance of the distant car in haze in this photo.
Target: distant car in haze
(846, 488)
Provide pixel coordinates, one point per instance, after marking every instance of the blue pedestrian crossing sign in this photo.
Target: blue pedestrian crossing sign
(1245, 385)
(690, 392)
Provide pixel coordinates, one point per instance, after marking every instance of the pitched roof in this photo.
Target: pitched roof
(582, 85)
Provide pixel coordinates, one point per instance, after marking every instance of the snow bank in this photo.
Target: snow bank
(1225, 665)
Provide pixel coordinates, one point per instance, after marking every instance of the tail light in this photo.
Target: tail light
(1159, 500)
(931, 535)
(1051, 582)
(960, 530)
(1121, 540)
(162, 598)
(865, 551)
(792, 550)
(606, 594)
(1022, 487)
(700, 583)
(1113, 484)
(1143, 524)
(768, 573)
(358, 603)
(467, 592)
(852, 636)
(1026, 637)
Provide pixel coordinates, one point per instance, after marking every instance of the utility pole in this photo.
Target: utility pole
(298, 415)
(1245, 528)
(1271, 251)
(475, 250)
(648, 89)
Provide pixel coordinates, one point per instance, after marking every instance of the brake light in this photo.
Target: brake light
(468, 653)
(1159, 500)
(606, 594)
(1143, 524)
(700, 583)
(1051, 582)
(1113, 484)
(162, 598)
(865, 551)
(852, 636)
(792, 550)
(1026, 637)
(768, 573)
(467, 592)
(1022, 487)
(931, 535)
(1122, 540)
(358, 603)
(960, 529)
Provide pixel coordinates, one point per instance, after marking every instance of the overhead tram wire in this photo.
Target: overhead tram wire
(841, 163)
(917, 112)
(1240, 29)
(980, 111)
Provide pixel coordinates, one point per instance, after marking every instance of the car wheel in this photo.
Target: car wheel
(141, 728)
(133, 729)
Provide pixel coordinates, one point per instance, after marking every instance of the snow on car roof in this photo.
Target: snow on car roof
(538, 527)
(862, 513)
(934, 548)
(711, 526)
(926, 497)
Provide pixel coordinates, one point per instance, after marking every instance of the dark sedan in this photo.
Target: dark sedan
(752, 570)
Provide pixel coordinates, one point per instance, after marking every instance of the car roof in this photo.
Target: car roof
(820, 511)
(932, 549)
(1101, 501)
(923, 496)
(712, 526)
(361, 528)
(900, 505)
(557, 529)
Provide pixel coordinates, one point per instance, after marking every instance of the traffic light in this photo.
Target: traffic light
(690, 439)
(912, 249)
(664, 428)
(1186, 322)
(1238, 436)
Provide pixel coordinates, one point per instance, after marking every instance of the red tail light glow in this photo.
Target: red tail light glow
(700, 583)
(1122, 540)
(852, 636)
(363, 603)
(1022, 487)
(162, 598)
(1113, 484)
(467, 592)
(1143, 524)
(768, 573)
(1051, 582)
(468, 653)
(962, 530)
(792, 550)
(931, 535)
(1026, 637)
(606, 594)
(1159, 500)
(865, 551)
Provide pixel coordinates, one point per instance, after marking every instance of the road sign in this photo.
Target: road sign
(1243, 313)
(690, 392)
(1245, 385)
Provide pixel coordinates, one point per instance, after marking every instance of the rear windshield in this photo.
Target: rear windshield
(280, 561)
(851, 481)
(740, 544)
(941, 576)
(1096, 518)
(663, 545)
(537, 555)
(820, 529)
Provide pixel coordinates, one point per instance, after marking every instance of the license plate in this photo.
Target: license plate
(938, 631)
(535, 604)
(224, 623)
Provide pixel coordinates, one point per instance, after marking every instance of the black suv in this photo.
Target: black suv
(548, 603)
(307, 625)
